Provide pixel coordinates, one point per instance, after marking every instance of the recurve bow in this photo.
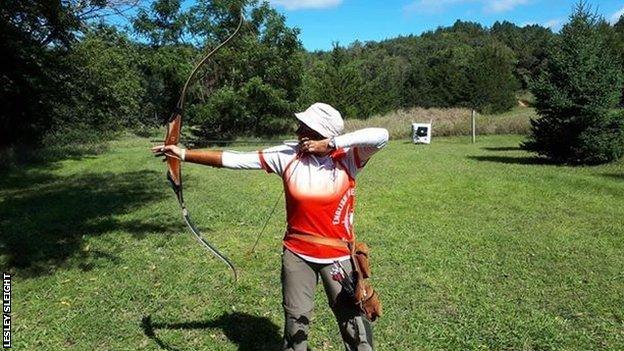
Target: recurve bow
(174, 164)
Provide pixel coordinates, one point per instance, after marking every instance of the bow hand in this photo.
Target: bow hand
(167, 151)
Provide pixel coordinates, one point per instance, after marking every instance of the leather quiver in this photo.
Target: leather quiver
(367, 300)
(361, 256)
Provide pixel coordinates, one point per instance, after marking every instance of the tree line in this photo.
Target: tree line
(70, 75)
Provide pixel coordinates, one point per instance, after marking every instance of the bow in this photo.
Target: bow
(174, 164)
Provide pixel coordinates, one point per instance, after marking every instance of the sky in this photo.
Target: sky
(323, 22)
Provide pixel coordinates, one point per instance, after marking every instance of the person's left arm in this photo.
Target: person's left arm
(364, 143)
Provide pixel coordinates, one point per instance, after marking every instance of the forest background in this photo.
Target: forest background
(71, 77)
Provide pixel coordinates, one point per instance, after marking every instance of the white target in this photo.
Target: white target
(421, 133)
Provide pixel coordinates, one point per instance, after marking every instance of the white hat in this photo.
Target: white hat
(323, 119)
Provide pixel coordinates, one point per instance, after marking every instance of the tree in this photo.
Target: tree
(37, 39)
(618, 45)
(105, 82)
(492, 83)
(343, 82)
(250, 87)
(447, 76)
(164, 24)
(31, 70)
(577, 95)
(529, 45)
(163, 71)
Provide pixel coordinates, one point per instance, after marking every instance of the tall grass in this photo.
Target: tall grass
(448, 121)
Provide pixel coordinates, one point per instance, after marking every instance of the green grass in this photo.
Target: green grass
(474, 247)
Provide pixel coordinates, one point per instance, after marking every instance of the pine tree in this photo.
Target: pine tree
(577, 96)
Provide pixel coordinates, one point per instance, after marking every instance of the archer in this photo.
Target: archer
(319, 175)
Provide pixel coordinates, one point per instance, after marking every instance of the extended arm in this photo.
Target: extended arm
(218, 158)
(226, 159)
(212, 158)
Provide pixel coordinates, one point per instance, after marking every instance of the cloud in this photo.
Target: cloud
(616, 16)
(305, 4)
(438, 6)
(554, 24)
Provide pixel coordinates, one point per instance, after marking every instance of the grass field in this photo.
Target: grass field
(474, 247)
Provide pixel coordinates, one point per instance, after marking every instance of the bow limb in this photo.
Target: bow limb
(206, 244)
(174, 175)
(205, 59)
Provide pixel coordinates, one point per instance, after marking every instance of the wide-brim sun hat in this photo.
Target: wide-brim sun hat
(322, 118)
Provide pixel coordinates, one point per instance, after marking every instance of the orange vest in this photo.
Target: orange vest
(327, 213)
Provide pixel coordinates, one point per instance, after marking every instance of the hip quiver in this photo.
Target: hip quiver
(366, 298)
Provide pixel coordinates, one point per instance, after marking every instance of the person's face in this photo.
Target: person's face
(305, 132)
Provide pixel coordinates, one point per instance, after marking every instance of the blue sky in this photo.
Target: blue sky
(325, 21)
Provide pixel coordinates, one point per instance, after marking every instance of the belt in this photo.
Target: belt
(339, 243)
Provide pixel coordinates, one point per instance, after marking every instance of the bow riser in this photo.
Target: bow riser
(174, 164)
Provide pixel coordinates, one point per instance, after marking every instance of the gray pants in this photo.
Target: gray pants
(299, 279)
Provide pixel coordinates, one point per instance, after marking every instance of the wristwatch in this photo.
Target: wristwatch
(332, 143)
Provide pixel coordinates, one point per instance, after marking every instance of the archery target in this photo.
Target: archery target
(421, 133)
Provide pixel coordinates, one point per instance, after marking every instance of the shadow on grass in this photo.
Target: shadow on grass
(614, 176)
(45, 221)
(504, 148)
(513, 160)
(13, 158)
(247, 331)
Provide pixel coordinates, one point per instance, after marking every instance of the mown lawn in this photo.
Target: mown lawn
(475, 247)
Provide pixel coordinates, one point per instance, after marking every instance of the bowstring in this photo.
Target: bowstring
(266, 222)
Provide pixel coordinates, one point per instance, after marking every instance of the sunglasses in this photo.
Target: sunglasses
(306, 131)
